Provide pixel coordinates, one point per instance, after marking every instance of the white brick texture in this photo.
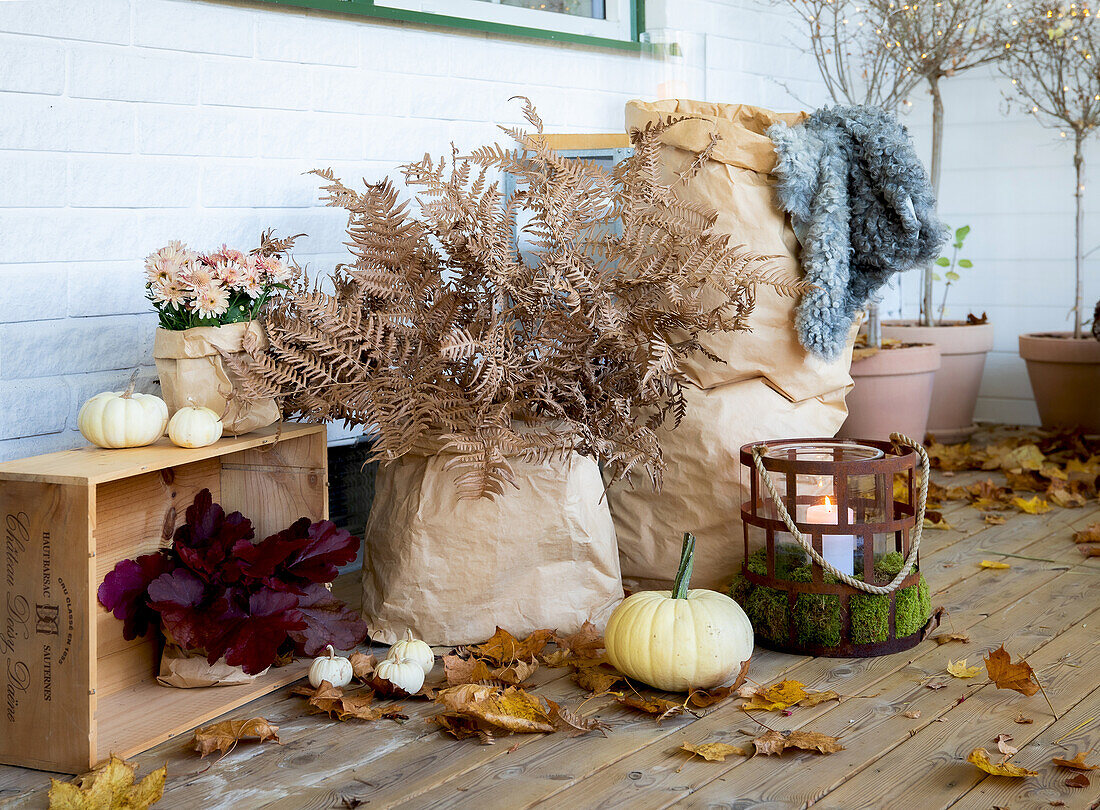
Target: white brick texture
(126, 123)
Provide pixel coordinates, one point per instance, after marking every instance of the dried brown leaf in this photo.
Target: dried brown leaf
(1078, 781)
(597, 679)
(504, 648)
(1089, 534)
(573, 724)
(510, 710)
(659, 708)
(1003, 746)
(712, 752)
(1006, 674)
(776, 742)
(460, 670)
(980, 757)
(1078, 762)
(362, 665)
(1022, 719)
(704, 698)
(947, 638)
(111, 786)
(913, 714)
(225, 735)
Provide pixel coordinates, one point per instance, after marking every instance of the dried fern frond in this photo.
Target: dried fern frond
(439, 334)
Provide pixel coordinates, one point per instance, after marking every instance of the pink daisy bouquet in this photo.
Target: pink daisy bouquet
(190, 289)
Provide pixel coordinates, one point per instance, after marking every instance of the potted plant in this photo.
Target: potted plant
(209, 306)
(893, 378)
(1051, 59)
(492, 380)
(934, 41)
(229, 607)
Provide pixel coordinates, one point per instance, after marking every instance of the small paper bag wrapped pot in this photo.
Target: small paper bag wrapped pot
(452, 570)
(191, 366)
(188, 669)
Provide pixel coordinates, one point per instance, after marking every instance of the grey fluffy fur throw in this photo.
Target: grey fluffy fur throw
(862, 207)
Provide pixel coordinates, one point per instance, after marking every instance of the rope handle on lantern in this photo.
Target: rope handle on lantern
(807, 546)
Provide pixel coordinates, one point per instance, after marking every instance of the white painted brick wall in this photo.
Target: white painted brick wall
(126, 123)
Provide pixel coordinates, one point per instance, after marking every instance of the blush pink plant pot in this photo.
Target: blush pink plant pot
(1065, 378)
(893, 390)
(963, 349)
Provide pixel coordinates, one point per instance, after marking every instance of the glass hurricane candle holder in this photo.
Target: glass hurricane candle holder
(831, 533)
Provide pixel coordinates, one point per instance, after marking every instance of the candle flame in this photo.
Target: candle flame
(827, 501)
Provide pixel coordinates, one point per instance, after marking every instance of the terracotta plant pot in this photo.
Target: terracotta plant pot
(1065, 378)
(963, 348)
(892, 393)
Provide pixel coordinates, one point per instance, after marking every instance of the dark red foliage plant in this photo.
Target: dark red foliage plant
(218, 591)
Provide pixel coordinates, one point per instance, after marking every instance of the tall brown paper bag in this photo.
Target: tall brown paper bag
(190, 367)
(452, 570)
(769, 387)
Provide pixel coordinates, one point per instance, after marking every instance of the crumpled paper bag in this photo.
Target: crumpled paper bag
(186, 669)
(452, 570)
(768, 388)
(191, 367)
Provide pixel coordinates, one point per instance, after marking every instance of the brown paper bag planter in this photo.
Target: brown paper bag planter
(452, 570)
(191, 366)
(769, 385)
(75, 689)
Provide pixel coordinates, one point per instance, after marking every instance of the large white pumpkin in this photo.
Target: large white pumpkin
(682, 639)
(122, 418)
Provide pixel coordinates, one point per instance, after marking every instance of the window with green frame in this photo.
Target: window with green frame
(608, 23)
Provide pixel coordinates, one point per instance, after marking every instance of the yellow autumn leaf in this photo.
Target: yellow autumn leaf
(712, 752)
(960, 670)
(991, 564)
(110, 786)
(980, 757)
(1032, 506)
(777, 697)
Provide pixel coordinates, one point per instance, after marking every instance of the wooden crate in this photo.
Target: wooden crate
(74, 689)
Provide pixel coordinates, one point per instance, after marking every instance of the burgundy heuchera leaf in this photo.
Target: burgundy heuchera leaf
(328, 621)
(252, 635)
(328, 548)
(123, 591)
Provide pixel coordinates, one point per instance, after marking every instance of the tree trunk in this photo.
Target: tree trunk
(1078, 257)
(937, 160)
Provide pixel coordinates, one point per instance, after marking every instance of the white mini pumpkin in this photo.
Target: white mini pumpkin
(406, 675)
(413, 649)
(332, 668)
(194, 426)
(682, 639)
(122, 418)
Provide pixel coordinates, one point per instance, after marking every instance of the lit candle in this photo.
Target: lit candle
(839, 550)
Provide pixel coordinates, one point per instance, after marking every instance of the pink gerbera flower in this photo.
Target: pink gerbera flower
(212, 300)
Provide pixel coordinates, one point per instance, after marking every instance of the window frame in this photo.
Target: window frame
(634, 10)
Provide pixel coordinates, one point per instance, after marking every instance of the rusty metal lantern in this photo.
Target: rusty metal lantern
(835, 525)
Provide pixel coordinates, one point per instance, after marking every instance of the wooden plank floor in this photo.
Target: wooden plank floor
(1047, 610)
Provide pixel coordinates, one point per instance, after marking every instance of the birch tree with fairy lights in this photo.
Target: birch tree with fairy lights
(1052, 57)
(934, 40)
(857, 69)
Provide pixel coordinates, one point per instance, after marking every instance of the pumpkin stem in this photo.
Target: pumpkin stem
(129, 392)
(409, 634)
(687, 564)
(331, 652)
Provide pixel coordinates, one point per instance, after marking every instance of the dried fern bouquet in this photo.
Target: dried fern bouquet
(439, 332)
(478, 367)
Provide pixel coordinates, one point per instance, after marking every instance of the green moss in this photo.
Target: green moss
(817, 617)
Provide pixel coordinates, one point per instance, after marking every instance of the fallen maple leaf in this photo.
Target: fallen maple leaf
(913, 715)
(959, 669)
(1078, 781)
(573, 724)
(585, 643)
(597, 679)
(109, 787)
(1090, 551)
(776, 697)
(362, 665)
(980, 757)
(947, 638)
(1070, 494)
(1003, 746)
(1021, 719)
(459, 670)
(933, 685)
(994, 520)
(331, 700)
(504, 648)
(1018, 676)
(712, 752)
(935, 520)
(461, 726)
(516, 673)
(225, 735)
(1090, 534)
(1033, 506)
(776, 742)
(814, 698)
(1078, 762)
(996, 565)
(1029, 481)
(703, 698)
(511, 709)
(659, 708)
